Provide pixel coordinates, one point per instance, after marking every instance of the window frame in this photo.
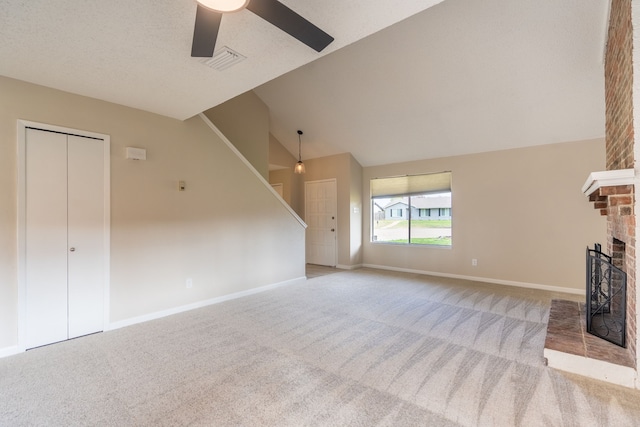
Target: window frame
(422, 186)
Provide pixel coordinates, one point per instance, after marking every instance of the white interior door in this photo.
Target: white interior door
(320, 216)
(65, 243)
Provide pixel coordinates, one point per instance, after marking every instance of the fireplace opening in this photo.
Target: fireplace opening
(606, 303)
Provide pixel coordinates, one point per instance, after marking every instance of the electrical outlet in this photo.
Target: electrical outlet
(474, 262)
(189, 283)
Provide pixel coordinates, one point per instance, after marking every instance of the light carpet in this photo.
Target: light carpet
(354, 348)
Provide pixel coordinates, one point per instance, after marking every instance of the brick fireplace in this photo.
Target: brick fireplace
(568, 345)
(613, 193)
(620, 146)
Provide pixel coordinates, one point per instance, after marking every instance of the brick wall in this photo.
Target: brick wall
(618, 71)
(621, 219)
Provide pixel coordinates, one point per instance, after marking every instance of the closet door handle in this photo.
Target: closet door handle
(72, 249)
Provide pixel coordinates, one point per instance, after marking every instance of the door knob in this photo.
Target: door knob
(333, 229)
(72, 249)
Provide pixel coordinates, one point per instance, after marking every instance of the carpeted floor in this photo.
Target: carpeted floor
(354, 348)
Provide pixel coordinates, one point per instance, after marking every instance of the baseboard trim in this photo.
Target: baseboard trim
(9, 351)
(348, 267)
(200, 304)
(481, 279)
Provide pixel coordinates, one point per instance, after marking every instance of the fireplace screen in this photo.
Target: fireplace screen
(606, 297)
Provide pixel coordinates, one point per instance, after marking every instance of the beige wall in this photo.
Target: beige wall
(244, 120)
(291, 188)
(292, 183)
(520, 213)
(348, 174)
(159, 236)
(355, 213)
(280, 156)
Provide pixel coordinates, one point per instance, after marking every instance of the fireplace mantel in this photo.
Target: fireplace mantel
(612, 178)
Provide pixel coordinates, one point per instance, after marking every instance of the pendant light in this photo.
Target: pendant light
(299, 168)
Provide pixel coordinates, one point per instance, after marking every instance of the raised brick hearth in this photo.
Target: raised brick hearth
(570, 348)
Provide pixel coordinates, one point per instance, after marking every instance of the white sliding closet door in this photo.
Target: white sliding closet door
(64, 185)
(85, 234)
(46, 245)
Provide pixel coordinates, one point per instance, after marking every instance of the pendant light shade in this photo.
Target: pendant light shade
(299, 168)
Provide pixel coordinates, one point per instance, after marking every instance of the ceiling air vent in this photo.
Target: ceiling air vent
(223, 58)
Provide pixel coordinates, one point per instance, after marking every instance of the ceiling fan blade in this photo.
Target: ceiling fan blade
(291, 23)
(205, 32)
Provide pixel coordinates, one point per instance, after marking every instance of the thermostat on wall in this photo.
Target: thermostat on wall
(136, 153)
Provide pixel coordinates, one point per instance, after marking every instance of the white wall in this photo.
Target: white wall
(520, 213)
(212, 232)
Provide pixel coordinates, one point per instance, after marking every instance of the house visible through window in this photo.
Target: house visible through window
(412, 209)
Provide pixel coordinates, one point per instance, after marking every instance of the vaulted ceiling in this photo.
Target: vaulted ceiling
(402, 80)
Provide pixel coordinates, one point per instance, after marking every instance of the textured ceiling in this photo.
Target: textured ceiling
(137, 53)
(460, 77)
(464, 76)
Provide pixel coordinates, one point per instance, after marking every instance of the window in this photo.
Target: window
(412, 209)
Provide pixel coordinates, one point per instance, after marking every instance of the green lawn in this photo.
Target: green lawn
(440, 241)
(431, 223)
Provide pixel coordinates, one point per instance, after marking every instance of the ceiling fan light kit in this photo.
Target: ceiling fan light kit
(224, 6)
(209, 15)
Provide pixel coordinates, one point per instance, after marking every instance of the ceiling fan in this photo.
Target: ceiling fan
(209, 15)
